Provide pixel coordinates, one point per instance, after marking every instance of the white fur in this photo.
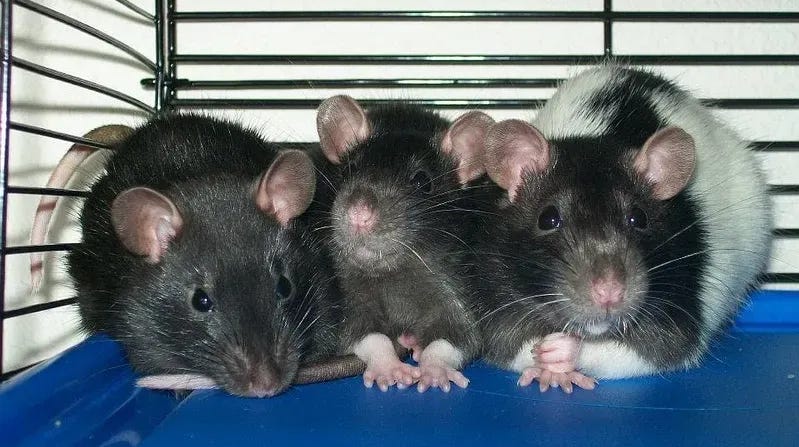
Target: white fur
(610, 360)
(375, 348)
(727, 184)
(442, 352)
(525, 357)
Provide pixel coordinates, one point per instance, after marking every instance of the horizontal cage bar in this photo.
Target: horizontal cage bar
(570, 16)
(504, 59)
(32, 190)
(74, 80)
(22, 249)
(38, 308)
(57, 135)
(188, 84)
(66, 20)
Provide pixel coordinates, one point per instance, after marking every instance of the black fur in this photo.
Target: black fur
(209, 169)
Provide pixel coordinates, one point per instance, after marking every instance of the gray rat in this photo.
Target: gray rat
(194, 256)
(632, 226)
(400, 212)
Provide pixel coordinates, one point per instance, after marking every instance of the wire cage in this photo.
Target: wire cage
(173, 90)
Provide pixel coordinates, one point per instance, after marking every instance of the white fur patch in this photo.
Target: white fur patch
(525, 357)
(611, 360)
(375, 348)
(442, 352)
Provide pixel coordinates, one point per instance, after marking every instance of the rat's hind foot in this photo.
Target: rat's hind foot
(440, 376)
(547, 379)
(390, 372)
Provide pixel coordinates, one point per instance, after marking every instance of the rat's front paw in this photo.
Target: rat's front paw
(390, 372)
(557, 353)
(564, 380)
(440, 376)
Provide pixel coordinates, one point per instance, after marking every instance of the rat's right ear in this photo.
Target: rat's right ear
(146, 222)
(341, 124)
(287, 188)
(513, 148)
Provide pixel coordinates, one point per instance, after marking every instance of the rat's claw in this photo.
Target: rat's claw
(439, 376)
(528, 375)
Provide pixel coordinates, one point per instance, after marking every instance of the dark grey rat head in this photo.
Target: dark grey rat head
(401, 177)
(600, 235)
(228, 286)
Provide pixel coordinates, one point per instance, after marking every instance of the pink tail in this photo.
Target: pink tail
(77, 154)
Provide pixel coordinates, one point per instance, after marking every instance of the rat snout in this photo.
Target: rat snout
(262, 383)
(362, 216)
(607, 291)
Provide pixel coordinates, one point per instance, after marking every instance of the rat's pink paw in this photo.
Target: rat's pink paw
(390, 372)
(558, 353)
(439, 376)
(411, 343)
(547, 379)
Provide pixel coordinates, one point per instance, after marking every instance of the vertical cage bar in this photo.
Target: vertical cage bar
(171, 67)
(608, 27)
(159, 54)
(5, 119)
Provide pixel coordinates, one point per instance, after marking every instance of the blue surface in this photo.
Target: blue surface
(747, 393)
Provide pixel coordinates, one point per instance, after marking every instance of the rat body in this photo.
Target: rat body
(397, 229)
(632, 227)
(194, 258)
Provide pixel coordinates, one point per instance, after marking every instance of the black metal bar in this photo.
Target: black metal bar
(784, 189)
(74, 80)
(775, 146)
(504, 59)
(416, 16)
(160, 30)
(66, 20)
(58, 135)
(47, 191)
(188, 84)
(137, 10)
(22, 249)
(5, 120)
(607, 25)
(171, 49)
(780, 278)
(38, 308)
(786, 232)
(754, 103)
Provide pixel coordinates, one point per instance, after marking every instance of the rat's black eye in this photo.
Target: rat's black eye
(549, 219)
(421, 182)
(637, 218)
(201, 301)
(283, 287)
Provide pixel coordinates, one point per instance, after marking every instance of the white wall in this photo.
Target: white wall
(43, 102)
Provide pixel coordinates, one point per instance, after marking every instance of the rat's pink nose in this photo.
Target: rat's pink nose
(262, 387)
(362, 217)
(607, 291)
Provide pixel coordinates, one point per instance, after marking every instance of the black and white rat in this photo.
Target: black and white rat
(194, 258)
(633, 226)
(399, 213)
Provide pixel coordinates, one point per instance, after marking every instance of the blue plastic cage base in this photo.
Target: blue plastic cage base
(746, 393)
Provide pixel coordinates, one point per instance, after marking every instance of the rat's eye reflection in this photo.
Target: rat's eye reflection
(549, 219)
(283, 287)
(421, 182)
(637, 218)
(201, 301)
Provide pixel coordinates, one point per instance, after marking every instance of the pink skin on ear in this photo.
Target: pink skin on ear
(146, 222)
(287, 188)
(667, 160)
(514, 148)
(341, 124)
(465, 141)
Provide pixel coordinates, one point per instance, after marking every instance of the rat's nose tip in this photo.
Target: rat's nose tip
(607, 292)
(362, 217)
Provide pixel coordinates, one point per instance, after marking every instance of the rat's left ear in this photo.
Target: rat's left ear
(465, 141)
(287, 188)
(667, 160)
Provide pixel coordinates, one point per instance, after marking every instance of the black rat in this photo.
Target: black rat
(194, 256)
(401, 209)
(632, 227)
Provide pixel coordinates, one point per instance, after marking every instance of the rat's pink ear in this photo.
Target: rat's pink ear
(341, 124)
(146, 222)
(667, 160)
(465, 141)
(287, 188)
(513, 148)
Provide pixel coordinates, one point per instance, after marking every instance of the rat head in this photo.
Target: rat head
(402, 172)
(226, 287)
(604, 239)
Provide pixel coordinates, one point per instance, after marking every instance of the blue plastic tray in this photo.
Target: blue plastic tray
(747, 393)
